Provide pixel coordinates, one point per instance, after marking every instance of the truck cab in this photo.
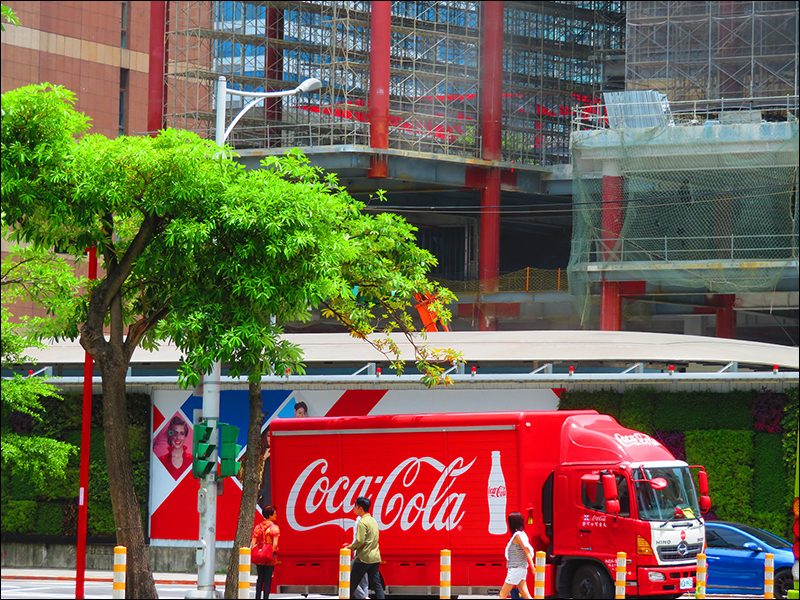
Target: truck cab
(618, 490)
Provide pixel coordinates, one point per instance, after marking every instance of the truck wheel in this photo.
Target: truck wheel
(591, 581)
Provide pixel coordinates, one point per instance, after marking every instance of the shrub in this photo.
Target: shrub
(606, 402)
(767, 411)
(50, 519)
(674, 441)
(637, 406)
(728, 458)
(19, 516)
(770, 478)
(790, 425)
(685, 411)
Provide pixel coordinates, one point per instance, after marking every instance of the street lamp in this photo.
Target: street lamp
(207, 496)
(309, 85)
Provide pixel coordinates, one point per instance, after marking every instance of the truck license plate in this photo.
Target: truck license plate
(686, 583)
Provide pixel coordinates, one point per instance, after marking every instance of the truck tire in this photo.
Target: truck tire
(592, 582)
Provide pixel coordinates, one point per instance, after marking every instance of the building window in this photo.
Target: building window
(123, 99)
(124, 21)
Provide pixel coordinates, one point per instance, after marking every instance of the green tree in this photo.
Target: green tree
(28, 273)
(173, 218)
(305, 243)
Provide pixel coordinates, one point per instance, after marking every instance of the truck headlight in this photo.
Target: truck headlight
(656, 576)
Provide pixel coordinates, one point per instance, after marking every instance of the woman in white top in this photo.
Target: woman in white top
(519, 555)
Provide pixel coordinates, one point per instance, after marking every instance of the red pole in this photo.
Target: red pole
(491, 138)
(611, 217)
(274, 70)
(157, 67)
(86, 437)
(726, 315)
(379, 51)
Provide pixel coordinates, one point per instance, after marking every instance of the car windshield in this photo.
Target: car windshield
(766, 537)
(661, 504)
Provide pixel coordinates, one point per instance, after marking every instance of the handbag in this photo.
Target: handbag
(262, 552)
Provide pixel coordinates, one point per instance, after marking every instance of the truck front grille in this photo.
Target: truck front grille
(682, 551)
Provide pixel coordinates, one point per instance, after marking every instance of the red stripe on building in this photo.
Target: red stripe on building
(355, 403)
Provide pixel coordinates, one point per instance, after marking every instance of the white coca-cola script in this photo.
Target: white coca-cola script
(636, 439)
(435, 508)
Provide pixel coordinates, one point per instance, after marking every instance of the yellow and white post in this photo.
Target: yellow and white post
(244, 572)
(538, 582)
(344, 573)
(444, 574)
(619, 587)
(702, 577)
(769, 576)
(120, 565)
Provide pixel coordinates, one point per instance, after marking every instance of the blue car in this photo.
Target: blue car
(736, 559)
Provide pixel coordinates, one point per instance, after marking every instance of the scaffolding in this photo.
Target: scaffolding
(550, 66)
(702, 50)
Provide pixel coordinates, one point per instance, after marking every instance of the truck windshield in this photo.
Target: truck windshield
(660, 504)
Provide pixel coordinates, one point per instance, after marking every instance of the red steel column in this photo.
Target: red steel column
(86, 437)
(379, 52)
(157, 67)
(726, 315)
(274, 71)
(611, 221)
(491, 139)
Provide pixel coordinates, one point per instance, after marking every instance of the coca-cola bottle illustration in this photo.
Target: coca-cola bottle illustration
(497, 496)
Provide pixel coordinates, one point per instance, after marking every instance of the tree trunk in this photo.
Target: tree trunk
(127, 515)
(244, 528)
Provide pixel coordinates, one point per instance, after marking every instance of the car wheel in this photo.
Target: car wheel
(783, 583)
(590, 582)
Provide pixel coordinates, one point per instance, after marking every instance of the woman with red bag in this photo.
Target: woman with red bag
(265, 536)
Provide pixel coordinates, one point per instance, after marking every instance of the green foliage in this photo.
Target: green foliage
(771, 482)
(50, 519)
(790, 428)
(704, 410)
(8, 16)
(728, 458)
(607, 402)
(19, 516)
(637, 407)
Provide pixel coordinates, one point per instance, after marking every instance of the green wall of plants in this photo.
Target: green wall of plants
(745, 439)
(53, 510)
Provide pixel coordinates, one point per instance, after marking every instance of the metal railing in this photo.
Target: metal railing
(679, 249)
(725, 111)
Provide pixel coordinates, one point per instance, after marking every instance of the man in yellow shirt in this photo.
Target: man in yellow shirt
(368, 555)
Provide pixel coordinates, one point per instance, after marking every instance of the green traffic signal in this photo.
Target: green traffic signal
(228, 450)
(202, 450)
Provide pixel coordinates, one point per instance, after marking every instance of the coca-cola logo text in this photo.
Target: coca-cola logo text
(636, 439)
(497, 492)
(435, 509)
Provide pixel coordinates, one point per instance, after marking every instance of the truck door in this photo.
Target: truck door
(601, 534)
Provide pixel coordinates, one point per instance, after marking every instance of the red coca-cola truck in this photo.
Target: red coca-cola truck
(586, 486)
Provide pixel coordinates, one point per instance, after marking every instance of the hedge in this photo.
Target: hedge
(53, 510)
(745, 439)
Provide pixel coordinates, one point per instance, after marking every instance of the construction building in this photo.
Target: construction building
(471, 115)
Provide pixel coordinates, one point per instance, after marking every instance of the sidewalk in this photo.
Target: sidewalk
(102, 576)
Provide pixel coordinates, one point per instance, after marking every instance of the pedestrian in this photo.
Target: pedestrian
(362, 587)
(517, 551)
(368, 556)
(266, 532)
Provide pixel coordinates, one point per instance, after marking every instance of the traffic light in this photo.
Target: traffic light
(202, 449)
(228, 450)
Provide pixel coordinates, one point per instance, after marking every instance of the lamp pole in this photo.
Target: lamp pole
(207, 496)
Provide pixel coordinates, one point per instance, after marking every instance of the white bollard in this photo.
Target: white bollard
(702, 577)
(444, 574)
(769, 576)
(538, 582)
(344, 573)
(619, 587)
(244, 572)
(120, 564)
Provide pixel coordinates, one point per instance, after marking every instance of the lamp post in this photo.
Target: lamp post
(207, 496)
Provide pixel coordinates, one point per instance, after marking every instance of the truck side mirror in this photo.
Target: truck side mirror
(705, 499)
(611, 493)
